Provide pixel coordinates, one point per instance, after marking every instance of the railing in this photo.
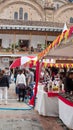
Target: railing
(35, 51)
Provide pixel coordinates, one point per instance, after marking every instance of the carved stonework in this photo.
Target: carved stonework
(49, 4)
(51, 10)
(2, 1)
(31, 7)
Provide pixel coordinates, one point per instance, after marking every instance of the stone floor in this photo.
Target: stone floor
(25, 119)
(28, 120)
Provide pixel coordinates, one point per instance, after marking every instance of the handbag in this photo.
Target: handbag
(21, 85)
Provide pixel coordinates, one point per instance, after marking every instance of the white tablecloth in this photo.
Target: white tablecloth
(66, 112)
(40, 86)
(46, 106)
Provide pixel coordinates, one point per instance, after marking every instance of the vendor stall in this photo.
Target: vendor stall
(47, 105)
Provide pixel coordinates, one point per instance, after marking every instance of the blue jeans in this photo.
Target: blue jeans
(31, 85)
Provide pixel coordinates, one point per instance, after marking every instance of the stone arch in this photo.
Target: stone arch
(64, 13)
(36, 6)
(62, 1)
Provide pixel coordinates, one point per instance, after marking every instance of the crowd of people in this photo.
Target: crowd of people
(25, 81)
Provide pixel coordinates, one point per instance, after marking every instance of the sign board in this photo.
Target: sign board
(5, 60)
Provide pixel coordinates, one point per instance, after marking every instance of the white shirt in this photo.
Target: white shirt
(21, 79)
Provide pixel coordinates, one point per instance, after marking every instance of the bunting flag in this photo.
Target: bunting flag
(46, 64)
(56, 42)
(70, 31)
(61, 38)
(60, 65)
(65, 28)
(63, 33)
(66, 35)
(46, 51)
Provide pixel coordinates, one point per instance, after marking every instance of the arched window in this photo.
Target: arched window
(57, 6)
(21, 13)
(16, 15)
(71, 20)
(70, 0)
(26, 16)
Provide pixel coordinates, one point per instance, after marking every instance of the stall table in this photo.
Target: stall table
(40, 86)
(66, 111)
(47, 103)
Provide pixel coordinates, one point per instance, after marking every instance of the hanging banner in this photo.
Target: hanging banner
(65, 33)
(45, 52)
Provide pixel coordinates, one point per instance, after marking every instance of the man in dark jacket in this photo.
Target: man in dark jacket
(4, 85)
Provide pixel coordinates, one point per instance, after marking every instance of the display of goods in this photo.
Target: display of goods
(68, 96)
(55, 88)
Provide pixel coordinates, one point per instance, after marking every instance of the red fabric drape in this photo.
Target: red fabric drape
(70, 103)
(32, 101)
(52, 94)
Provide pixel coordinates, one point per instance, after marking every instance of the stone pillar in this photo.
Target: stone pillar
(46, 41)
(14, 43)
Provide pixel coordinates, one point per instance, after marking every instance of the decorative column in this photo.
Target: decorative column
(30, 42)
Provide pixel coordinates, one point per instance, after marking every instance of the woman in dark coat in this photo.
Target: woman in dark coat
(4, 85)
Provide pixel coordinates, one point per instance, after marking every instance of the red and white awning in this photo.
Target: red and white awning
(22, 60)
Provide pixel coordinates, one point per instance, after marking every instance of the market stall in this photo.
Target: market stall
(62, 47)
(54, 49)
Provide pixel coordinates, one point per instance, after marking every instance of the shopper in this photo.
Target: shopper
(21, 85)
(4, 85)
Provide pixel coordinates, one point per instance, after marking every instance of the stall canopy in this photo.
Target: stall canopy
(65, 49)
(22, 60)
